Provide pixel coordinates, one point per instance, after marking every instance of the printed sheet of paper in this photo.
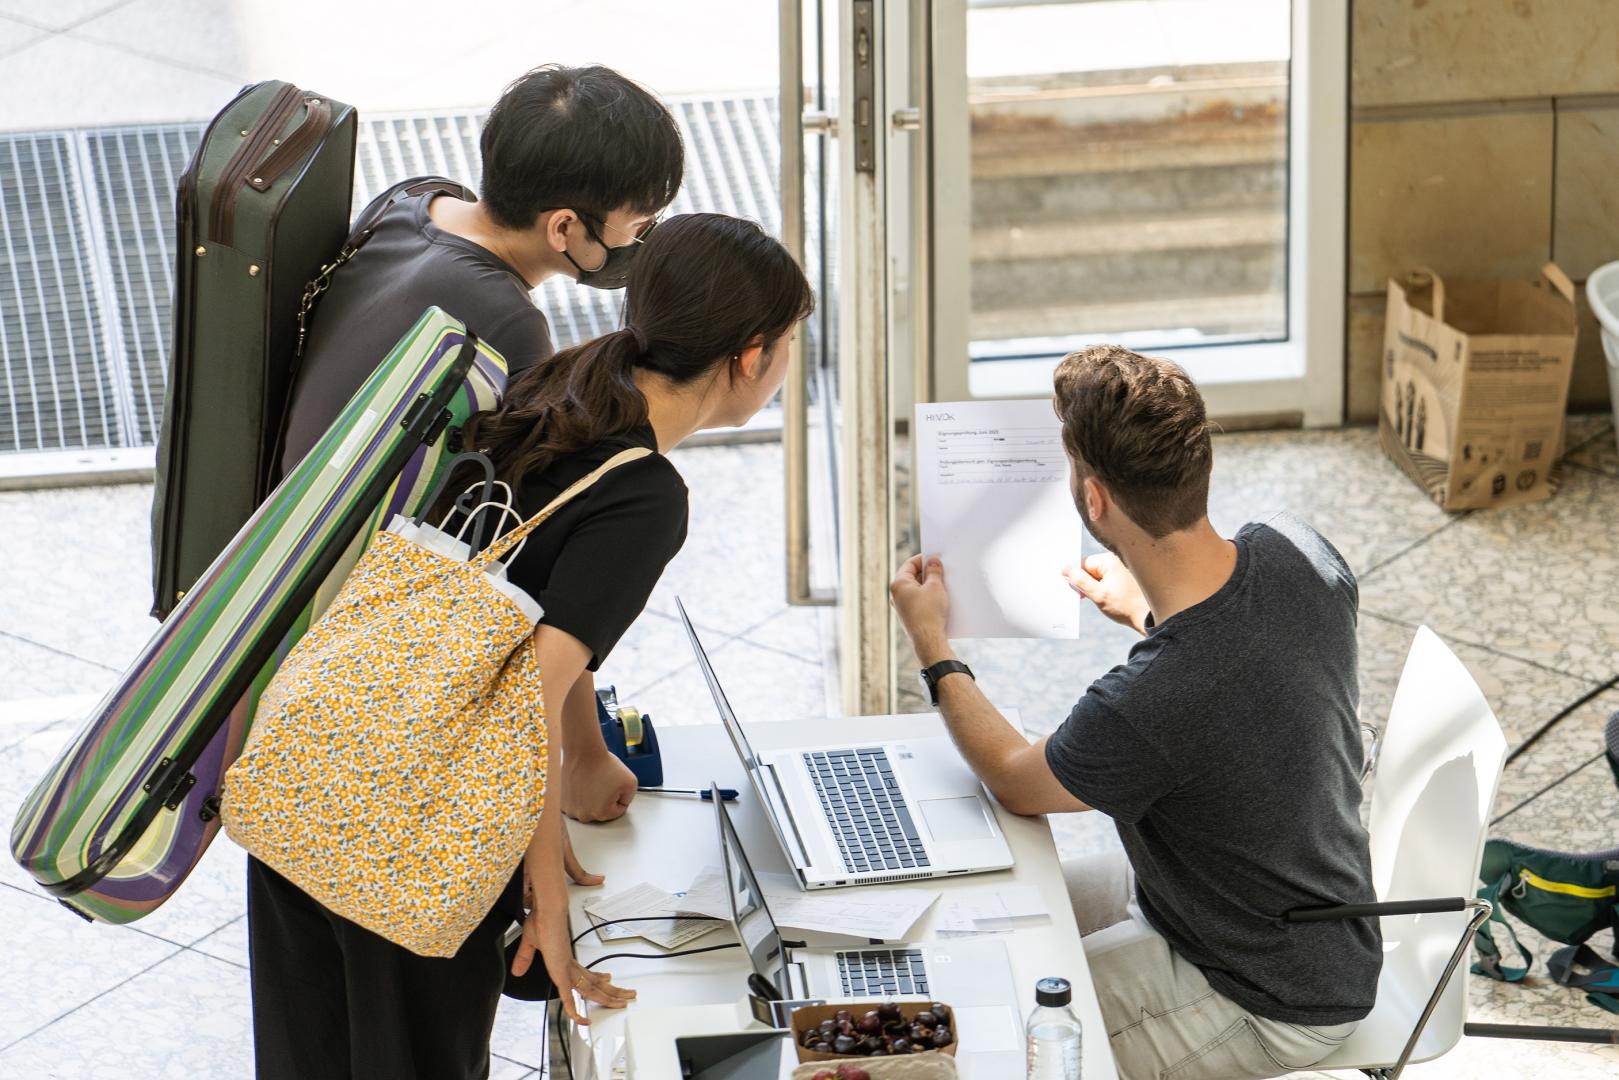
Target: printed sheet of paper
(990, 911)
(995, 506)
(885, 914)
(642, 901)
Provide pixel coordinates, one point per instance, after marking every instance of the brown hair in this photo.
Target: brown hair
(1138, 425)
(701, 288)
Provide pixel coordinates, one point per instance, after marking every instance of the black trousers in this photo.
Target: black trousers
(333, 1001)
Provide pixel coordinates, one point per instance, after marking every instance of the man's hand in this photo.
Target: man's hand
(1108, 583)
(597, 786)
(923, 606)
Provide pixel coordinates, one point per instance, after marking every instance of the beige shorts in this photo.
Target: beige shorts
(1164, 1021)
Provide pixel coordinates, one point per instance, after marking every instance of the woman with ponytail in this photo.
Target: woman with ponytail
(711, 303)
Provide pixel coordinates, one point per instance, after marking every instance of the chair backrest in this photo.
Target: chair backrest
(1612, 745)
(1441, 758)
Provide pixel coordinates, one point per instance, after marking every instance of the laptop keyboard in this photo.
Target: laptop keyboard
(882, 973)
(868, 815)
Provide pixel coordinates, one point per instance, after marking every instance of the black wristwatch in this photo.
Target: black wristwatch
(932, 675)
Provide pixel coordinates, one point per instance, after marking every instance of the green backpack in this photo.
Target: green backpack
(1569, 898)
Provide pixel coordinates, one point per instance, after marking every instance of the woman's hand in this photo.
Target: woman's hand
(546, 932)
(545, 929)
(599, 786)
(570, 863)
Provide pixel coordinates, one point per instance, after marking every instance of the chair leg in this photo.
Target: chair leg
(1481, 912)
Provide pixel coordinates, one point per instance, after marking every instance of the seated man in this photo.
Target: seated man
(1226, 747)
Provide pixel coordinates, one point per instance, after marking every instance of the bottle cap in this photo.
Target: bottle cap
(1054, 992)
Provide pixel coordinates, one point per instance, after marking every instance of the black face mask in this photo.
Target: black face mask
(614, 272)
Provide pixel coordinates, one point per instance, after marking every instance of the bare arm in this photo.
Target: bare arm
(1013, 770)
(600, 786)
(562, 658)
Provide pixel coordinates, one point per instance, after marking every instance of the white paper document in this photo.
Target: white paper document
(645, 901)
(885, 914)
(995, 506)
(990, 911)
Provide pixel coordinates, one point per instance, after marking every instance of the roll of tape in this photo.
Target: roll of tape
(634, 731)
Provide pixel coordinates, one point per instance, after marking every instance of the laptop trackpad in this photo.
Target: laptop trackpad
(953, 820)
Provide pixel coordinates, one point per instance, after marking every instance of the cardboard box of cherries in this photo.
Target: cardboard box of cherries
(869, 1029)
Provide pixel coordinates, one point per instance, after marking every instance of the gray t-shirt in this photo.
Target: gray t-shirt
(408, 265)
(1228, 751)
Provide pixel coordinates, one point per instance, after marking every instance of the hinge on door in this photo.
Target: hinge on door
(865, 87)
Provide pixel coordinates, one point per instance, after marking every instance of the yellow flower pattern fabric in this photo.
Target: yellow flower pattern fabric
(396, 768)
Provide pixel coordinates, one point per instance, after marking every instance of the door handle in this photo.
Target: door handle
(820, 123)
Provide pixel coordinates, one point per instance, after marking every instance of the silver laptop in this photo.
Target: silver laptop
(972, 976)
(856, 815)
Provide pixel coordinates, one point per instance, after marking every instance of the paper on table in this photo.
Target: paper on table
(642, 901)
(992, 482)
(990, 911)
(884, 914)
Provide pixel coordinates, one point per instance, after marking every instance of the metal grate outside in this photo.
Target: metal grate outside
(87, 252)
(59, 383)
(135, 172)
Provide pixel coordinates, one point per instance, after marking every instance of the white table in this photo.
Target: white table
(667, 839)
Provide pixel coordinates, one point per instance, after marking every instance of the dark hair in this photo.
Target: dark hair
(1138, 424)
(585, 138)
(700, 290)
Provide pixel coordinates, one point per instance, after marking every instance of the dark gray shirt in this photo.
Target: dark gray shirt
(1228, 751)
(408, 265)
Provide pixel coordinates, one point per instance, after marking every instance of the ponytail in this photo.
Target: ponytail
(702, 288)
(564, 404)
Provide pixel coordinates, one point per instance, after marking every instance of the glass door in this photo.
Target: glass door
(1162, 174)
(838, 420)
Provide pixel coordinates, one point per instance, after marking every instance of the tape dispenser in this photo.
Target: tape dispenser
(630, 736)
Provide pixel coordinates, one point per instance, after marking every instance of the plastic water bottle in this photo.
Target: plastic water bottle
(1053, 1033)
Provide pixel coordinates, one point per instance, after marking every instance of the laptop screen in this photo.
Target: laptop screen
(754, 924)
(733, 727)
(721, 703)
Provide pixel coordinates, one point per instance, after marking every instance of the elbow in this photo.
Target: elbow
(1014, 796)
(1022, 807)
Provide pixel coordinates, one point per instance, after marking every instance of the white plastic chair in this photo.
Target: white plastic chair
(1438, 763)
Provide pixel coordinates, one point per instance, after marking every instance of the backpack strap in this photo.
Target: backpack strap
(364, 225)
(512, 539)
(1489, 957)
(1580, 966)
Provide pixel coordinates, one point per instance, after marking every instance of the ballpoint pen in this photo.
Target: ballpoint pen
(728, 794)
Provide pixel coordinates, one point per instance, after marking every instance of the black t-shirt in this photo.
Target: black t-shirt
(1228, 752)
(408, 265)
(593, 564)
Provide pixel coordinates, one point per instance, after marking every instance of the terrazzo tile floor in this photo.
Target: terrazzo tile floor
(1528, 598)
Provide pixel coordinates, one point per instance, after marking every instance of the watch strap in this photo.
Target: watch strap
(932, 675)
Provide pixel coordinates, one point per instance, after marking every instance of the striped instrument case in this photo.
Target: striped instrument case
(131, 804)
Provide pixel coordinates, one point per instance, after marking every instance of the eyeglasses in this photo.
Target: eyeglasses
(638, 237)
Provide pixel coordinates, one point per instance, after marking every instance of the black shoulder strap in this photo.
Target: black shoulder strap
(365, 222)
(364, 225)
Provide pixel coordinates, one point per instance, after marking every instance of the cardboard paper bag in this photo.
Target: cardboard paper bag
(1475, 382)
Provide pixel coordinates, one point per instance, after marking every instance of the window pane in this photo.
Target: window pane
(1129, 173)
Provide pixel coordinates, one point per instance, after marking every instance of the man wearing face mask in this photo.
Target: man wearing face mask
(577, 165)
(578, 162)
